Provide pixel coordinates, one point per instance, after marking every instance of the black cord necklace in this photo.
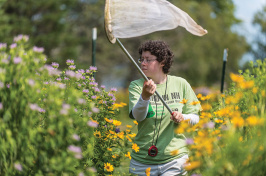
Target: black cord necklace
(153, 150)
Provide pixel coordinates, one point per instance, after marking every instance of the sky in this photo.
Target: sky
(245, 10)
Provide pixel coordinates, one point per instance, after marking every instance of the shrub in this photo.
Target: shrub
(55, 122)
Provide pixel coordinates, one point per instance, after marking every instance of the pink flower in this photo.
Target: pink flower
(18, 166)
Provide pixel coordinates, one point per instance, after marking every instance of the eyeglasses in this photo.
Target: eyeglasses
(146, 60)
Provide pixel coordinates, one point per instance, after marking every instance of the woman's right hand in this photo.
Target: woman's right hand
(148, 90)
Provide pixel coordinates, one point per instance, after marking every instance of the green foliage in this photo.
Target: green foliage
(49, 118)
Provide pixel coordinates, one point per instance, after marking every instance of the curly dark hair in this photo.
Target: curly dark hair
(161, 50)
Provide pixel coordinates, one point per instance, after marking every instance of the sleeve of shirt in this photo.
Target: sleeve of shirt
(134, 94)
(140, 110)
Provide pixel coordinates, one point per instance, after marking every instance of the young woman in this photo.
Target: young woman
(161, 149)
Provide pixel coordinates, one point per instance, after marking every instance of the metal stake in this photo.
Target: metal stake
(141, 72)
(224, 65)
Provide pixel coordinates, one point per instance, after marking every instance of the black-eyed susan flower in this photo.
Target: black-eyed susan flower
(108, 167)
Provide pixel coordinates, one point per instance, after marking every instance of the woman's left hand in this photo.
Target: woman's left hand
(177, 117)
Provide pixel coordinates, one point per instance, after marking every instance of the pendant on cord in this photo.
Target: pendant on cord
(153, 151)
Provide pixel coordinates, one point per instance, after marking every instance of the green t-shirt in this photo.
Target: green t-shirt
(177, 90)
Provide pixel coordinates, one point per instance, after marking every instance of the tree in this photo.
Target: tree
(259, 51)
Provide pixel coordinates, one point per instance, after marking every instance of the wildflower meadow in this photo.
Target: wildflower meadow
(61, 122)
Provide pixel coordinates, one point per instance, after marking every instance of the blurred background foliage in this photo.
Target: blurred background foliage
(64, 29)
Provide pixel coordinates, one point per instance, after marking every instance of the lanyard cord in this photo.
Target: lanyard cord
(156, 117)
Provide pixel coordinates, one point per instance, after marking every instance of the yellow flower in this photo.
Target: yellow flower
(194, 102)
(147, 171)
(263, 93)
(109, 121)
(97, 134)
(205, 98)
(206, 107)
(236, 78)
(132, 135)
(253, 121)
(192, 165)
(116, 122)
(129, 126)
(199, 95)
(135, 122)
(238, 121)
(127, 130)
(174, 152)
(240, 139)
(115, 155)
(254, 90)
(184, 101)
(128, 138)
(108, 167)
(135, 147)
(246, 84)
(109, 149)
(128, 155)
(121, 135)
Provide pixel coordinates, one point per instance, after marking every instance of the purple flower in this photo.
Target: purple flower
(97, 89)
(18, 166)
(103, 86)
(78, 75)
(13, 45)
(46, 82)
(94, 97)
(17, 60)
(51, 70)
(66, 78)
(196, 175)
(70, 73)
(92, 68)
(95, 110)
(113, 98)
(72, 67)
(83, 77)
(1, 105)
(81, 174)
(8, 85)
(189, 141)
(38, 49)
(209, 125)
(113, 89)
(85, 91)
(66, 106)
(76, 137)
(74, 149)
(21, 37)
(81, 71)
(41, 110)
(2, 45)
(55, 65)
(34, 107)
(117, 130)
(111, 95)
(31, 82)
(81, 101)
(69, 62)
(92, 124)
(62, 86)
(58, 79)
